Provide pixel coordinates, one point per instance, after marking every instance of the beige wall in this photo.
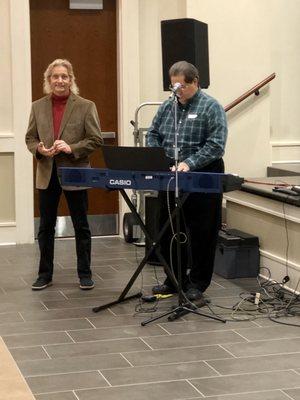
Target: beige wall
(150, 14)
(233, 69)
(16, 195)
(240, 58)
(7, 185)
(5, 69)
(278, 230)
(248, 40)
(285, 56)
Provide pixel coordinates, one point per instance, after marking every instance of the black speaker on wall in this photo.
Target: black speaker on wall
(185, 39)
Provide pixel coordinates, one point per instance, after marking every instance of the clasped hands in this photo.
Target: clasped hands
(58, 147)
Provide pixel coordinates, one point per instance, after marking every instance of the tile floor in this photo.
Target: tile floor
(65, 351)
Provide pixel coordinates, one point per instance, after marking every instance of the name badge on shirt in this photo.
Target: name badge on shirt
(192, 116)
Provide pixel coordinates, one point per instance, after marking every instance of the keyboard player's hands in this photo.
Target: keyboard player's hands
(182, 167)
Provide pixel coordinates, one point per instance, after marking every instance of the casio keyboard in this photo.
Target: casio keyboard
(190, 182)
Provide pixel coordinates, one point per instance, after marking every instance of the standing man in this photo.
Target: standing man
(63, 131)
(202, 133)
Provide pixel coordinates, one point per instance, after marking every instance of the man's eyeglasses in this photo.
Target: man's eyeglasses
(180, 86)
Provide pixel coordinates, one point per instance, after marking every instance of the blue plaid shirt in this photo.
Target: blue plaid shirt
(202, 130)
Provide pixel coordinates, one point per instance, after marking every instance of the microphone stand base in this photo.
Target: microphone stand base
(181, 310)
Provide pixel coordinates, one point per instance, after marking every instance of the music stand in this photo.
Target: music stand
(132, 158)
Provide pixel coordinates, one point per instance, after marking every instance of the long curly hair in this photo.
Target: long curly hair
(57, 63)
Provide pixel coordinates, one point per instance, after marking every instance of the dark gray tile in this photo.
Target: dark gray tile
(4, 262)
(130, 266)
(113, 283)
(214, 292)
(289, 320)
(99, 347)
(60, 314)
(264, 347)
(24, 259)
(246, 383)
(112, 262)
(179, 347)
(44, 326)
(72, 364)
(111, 242)
(76, 303)
(29, 295)
(128, 308)
(202, 324)
(265, 395)
(124, 275)
(257, 364)
(97, 292)
(19, 305)
(36, 339)
(113, 333)
(194, 339)
(10, 317)
(186, 354)
(165, 390)
(99, 269)
(226, 304)
(64, 382)
(89, 302)
(28, 353)
(123, 265)
(101, 321)
(9, 284)
(272, 332)
(170, 372)
(60, 274)
(57, 396)
(242, 283)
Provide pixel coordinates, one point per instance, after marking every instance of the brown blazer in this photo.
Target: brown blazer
(80, 129)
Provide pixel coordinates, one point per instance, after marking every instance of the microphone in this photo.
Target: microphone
(174, 88)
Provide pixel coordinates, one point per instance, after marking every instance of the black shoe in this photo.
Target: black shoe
(163, 289)
(194, 294)
(86, 284)
(41, 283)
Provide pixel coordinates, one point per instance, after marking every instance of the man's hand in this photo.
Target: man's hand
(182, 167)
(61, 146)
(44, 151)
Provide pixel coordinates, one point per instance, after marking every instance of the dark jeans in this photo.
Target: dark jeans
(201, 218)
(78, 204)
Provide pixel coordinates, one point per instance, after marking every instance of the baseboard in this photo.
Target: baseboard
(285, 152)
(279, 268)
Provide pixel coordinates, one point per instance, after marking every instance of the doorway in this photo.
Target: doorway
(88, 39)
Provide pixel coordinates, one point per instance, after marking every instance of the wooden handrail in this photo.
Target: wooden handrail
(254, 90)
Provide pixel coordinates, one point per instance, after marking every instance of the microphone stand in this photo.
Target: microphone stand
(184, 306)
(180, 307)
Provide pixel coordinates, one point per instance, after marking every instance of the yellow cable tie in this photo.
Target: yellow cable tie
(163, 296)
